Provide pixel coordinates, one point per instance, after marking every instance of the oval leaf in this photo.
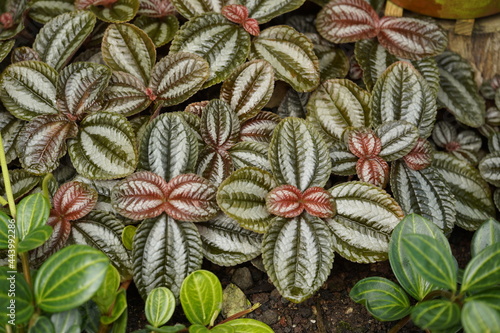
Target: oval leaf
(479, 317)
(125, 94)
(398, 138)
(161, 30)
(264, 10)
(373, 170)
(198, 7)
(489, 167)
(43, 11)
(214, 165)
(483, 271)
(23, 306)
(32, 213)
(246, 325)
(120, 11)
(9, 130)
(259, 128)
(160, 306)
(250, 154)
(487, 234)
(74, 200)
(439, 314)
(220, 127)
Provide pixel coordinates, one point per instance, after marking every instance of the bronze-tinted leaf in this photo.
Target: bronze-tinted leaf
(74, 200)
(318, 202)
(285, 201)
(420, 157)
(373, 170)
(363, 142)
(260, 128)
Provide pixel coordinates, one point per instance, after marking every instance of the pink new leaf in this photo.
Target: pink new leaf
(251, 26)
(74, 200)
(235, 13)
(364, 142)
(285, 201)
(373, 170)
(319, 202)
(420, 157)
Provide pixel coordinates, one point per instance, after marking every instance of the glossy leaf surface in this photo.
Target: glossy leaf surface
(439, 314)
(160, 306)
(483, 271)
(487, 234)
(32, 213)
(161, 30)
(120, 11)
(478, 317)
(220, 126)
(24, 308)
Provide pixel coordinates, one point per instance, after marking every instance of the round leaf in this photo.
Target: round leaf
(439, 314)
(160, 306)
(489, 167)
(74, 200)
(398, 139)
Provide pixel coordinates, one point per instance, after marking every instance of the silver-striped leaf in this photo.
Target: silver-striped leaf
(402, 93)
(42, 142)
(489, 168)
(333, 62)
(424, 192)
(494, 142)
(249, 88)
(125, 95)
(60, 38)
(118, 12)
(265, 10)
(73, 200)
(293, 104)
(220, 126)
(211, 36)
(127, 48)
(156, 8)
(291, 54)
(105, 147)
(242, 196)
(177, 77)
(458, 91)
(398, 139)
(79, 88)
(429, 69)
(343, 160)
(43, 11)
(24, 53)
(165, 252)
(192, 8)
(168, 146)
(226, 243)
(161, 30)
(28, 89)
(473, 196)
(214, 165)
(298, 255)
(21, 182)
(298, 155)
(103, 231)
(337, 105)
(250, 154)
(9, 129)
(259, 128)
(366, 216)
(5, 47)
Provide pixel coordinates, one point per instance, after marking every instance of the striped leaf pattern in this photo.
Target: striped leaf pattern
(298, 155)
(489, 167)
(420, 157)
(373, 170)
(61, 37)
(43, 11)
(479, 317)
(291, 54)
(294, 104)
(9, 129)
(333, 62)
(161, 30)
(214, 165)
(211, 36)
(264, 10)
(125, 94)
(487, 234)
(363, 142)
(364, 212)
(439, 314)
(32, 212)
(5, 47)
(297, 255)
(483, 271)
(285, 201)
(397, 138)
(74, 200)
(24, 53)
(192, 8)
(250, 154)
(61, 229)
(156, 8)
(21, 182)
(259, 128)
(220, 126)
(120, 11)
(343, 161)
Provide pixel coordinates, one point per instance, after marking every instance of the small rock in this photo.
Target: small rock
(349, 310)
(242, 278)
(233, 301)
(269, 317)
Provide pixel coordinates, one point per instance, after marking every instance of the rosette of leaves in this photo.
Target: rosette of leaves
(465, 144)
(167, 197)
(347, 21)
(297, 216)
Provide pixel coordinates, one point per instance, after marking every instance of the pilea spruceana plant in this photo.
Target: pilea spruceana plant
(163, 132)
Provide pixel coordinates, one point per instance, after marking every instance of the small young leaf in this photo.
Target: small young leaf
(478, 317)
(373, 170)
(265, 10)
(487, 234)
(420, 156)
(333, 62)
(105, 296)
(5, 47)
(438, 314)
(363, 142)
(119, 307)
(128, 235)
(214, 165)
(483, 271)
(294, 104)
(285, 201)
(74, 200)
(67, 322)
(246, 325)
(259, 128)
(160, 306)
(220, 126)
(397, 138)
(156, 8)
(34, 239)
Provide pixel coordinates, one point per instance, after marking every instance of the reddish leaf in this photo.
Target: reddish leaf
(285, 201)
(347, 21)
(196, 108)
(259, 128)
(191, 198)
(373, 170)
(411, 38)
(251, 26)
(60, 234)
(6, 20)
(364, 142)
(140, 195)
(235, 13)
(420, 157)
(319, 202)
(74, 200)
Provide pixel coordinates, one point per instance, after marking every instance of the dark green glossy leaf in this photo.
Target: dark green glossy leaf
(119, 308)
(42, 325)
(67, 322)
(22, 309)
(160, 306)
(35, 238)
(479, 317)
(32, 213)
(483, 271)
(161, 30)
(487, 234)
(439, 314)
(490, 296)
(120, 11)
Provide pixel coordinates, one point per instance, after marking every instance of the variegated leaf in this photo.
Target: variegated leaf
(61, 229)
(242, 196)
(224, 45)
(363, 142)
(496, 198)
(339, 104)
(168, 146)
(127, 48)
(265, 10)
(299, 155)
(249, 88)
(156, 8)
(291, 55)
(196, 108)
(220, 126)
(21, 182)
(9, 130)
(43, 11)
(285, 201)
(398, 139)
(225, 243)
(259, 128)
(105, 147)
(5, 47)
(333, 62)
(235, 13)
(61, 37)
(411, 38)
(458, 91)
(444, 133)
(125, 95)
(429, 70)
(177, 77)
(293, 104)
(74, 200)
(472, 194)
(102, 230)
(119, 11)
(250, 154)
(140, 195)
(29, 89)
(489, 167)
(420, 157)
(214, 165)
(165, 252)
(373, 170)
(366, 216)
(161, 30)
(24, 53)
(494, 143)
(347, 21)
(318, 202)
(401, 93)
(424, 192)
(43, 141)
(343, 161)
(79, 87)
(192, 8)
(298, 255)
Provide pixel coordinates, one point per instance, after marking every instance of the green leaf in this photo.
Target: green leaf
(165, 252)
(294, 104)
(401, 93)
(433, 259)
(490, 296)
(161, 30)
(127, 48)
(125, 94)
(333, 62)
(22, 309)
(6, 228)
(363, 210)
(214, 165)
(34, 239)
(299, 155)
(29, 89)
(265, 10)
(343, 161)
(105, 296)
(201, 297)
(398, 139)
(5, 47)
(249, 88)
(32, 213)
(291, 55)
(42, 325)
(192, 8)
(120, 11)
(473, 196)
(253, 154)
(105, 147)
(61, 37)
(165, 329)
(21, 181)
(246, 325)
(487, 234)
(67, 322)
(43, 11)
(337, 105)
(128, 236)
(298, 255)
(211, 36)
(483, 271)
(458, 91)
(220, 127)
(160, 306)
(478, 317)
(120, 324)
(69, 278)
(384, 299)
(439, 314)
(489, 167)
(119, 308)
(197, 328)
(9, 129)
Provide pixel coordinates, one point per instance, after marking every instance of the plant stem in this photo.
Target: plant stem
(240, 314)
(3, 202)
(6, 180)
(26, 267)
(45, 185)
(400, 324)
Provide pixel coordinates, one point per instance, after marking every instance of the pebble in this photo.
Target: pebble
(242, 278)
(269, 317)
